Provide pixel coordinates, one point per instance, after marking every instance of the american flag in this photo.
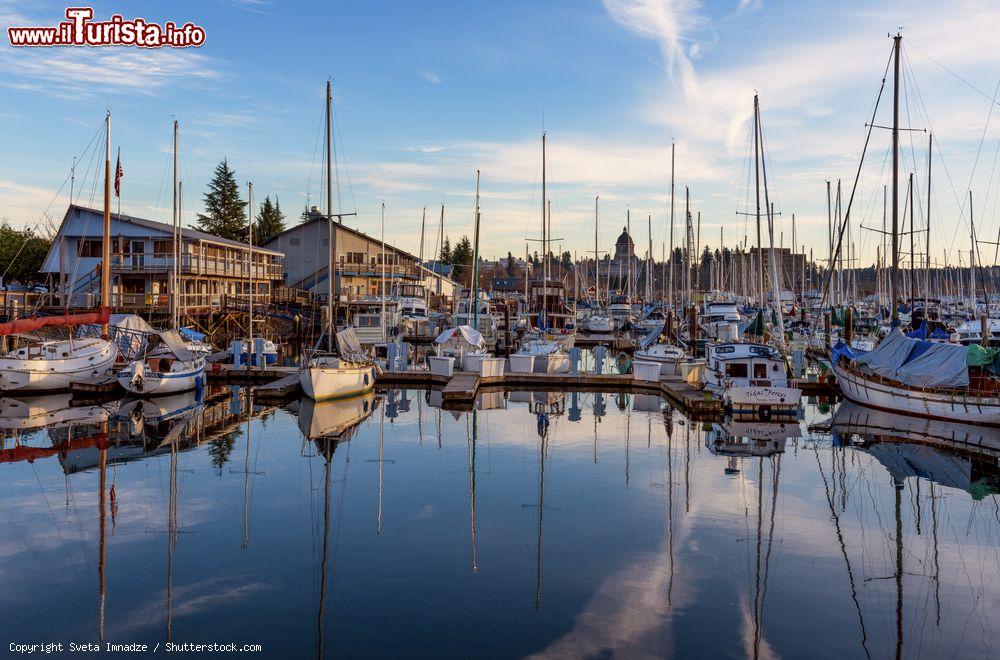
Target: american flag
(119, 173)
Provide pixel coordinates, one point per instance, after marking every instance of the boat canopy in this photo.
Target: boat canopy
(466, 332)
(348, 345)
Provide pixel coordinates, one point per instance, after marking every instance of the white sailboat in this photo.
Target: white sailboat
(167, 368)
(351, 372)
(55, 365)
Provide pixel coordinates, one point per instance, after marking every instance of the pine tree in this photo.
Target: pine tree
(445, 256)
(225, 212)
(270, 221)
(566, 261)
(510, 264)
(461, 254)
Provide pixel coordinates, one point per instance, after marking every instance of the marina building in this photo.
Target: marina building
(358, 261)
(142, 260)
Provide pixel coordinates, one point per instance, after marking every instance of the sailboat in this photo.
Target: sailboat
(908, 376)
(168, 366)
(597, 322)
(55, 365)
(752, 378)
(349, 371)
(547, 344)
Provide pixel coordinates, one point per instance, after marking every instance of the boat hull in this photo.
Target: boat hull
(36, 375)
(762, 400)
(903, 401)
(553, 363)
(324, 382)
(154, 383)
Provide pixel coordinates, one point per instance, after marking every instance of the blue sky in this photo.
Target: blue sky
(428, 92)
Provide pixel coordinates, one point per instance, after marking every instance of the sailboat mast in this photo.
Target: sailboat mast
(670, 296)
(649, 259)
(597, 257)
(250, 237)
(545, 251)
(330, 275)
(383, 320)
(927, 261)
(895, 180)
(760, 244)
(174, 270)
(475, 262)
(106, 247)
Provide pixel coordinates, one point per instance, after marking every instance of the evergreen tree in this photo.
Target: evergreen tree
(461, 254)
(445, 256)
(510, 264)
(567, 260)
(270, 221)
(225, 212)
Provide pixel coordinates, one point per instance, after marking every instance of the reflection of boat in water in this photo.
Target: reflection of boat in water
(334, 419)
(735, 437)
(953, 454)
(35, 412)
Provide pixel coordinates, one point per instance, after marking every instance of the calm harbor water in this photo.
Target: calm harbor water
(548, 523)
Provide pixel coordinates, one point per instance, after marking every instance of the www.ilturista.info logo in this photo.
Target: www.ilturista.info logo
(80, 30)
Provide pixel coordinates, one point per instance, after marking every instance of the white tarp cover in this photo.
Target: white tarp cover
(466, 332)
(942, 365)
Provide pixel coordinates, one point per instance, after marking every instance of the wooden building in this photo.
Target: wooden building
(358, 262)
(142, 259)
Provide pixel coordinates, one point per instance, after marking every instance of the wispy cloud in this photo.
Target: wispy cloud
(430, 76)
(252, 6)
(89, 72)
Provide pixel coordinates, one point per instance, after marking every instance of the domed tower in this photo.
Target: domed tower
(624, 247)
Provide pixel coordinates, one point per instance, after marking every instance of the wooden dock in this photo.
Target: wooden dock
(283, 388)
(462, 387)
(690, 397)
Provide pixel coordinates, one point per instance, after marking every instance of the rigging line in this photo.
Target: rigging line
(339, 136)
(34, 228)
(312, 163)
(850, 202)
(992, 100)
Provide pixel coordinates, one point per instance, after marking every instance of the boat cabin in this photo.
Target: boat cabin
(747, 365)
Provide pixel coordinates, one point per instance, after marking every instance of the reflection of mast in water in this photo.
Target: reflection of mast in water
(628, 435)
(760, 587)
(687, 467)
(670, 518)
(543, 431)
(937, 567)
(102, 542)
(843, 551)
(381, 445)
(246, 476)
(171, 532)
(899, 568)
(471, 448)
(328, 455)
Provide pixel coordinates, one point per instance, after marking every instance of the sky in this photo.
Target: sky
(426, 93)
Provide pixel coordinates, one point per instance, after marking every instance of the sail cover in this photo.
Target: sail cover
(172, 340)
(348, 345)
(650, 338)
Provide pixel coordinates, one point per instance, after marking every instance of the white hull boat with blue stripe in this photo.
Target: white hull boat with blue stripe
(166, 369)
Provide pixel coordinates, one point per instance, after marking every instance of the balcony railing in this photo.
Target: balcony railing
(194, 264)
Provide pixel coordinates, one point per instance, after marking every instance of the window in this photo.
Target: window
(760, 370)
(736, 370)
(163, 247)
(91, 248)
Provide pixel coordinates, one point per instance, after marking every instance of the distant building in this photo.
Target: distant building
(358, 262)
(142, 260)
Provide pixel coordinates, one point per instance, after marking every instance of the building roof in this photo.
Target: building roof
(320, 217)
(186, 232)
